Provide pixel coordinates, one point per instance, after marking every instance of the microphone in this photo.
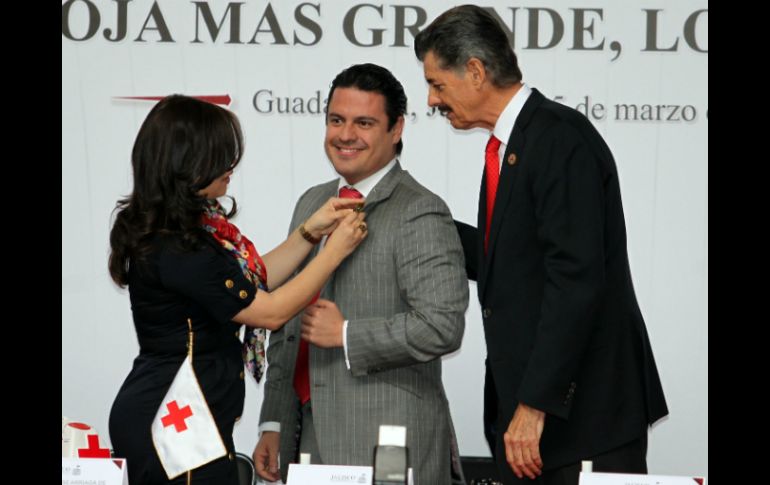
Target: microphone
(391, 457)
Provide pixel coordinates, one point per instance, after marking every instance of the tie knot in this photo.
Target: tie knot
(493, 145)
(350, 193)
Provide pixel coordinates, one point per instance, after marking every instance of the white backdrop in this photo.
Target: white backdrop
(645, 62)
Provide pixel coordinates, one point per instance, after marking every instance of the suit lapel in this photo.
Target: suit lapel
(384, 187)
(508, 173)
(327, 190)
(505, 187)
(380, 193)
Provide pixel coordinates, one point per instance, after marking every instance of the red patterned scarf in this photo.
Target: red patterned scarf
(215, 222)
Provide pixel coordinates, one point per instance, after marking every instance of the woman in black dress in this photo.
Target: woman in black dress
(192, 276)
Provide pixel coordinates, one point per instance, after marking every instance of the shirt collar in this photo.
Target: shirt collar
(366, 185)
(507, 119)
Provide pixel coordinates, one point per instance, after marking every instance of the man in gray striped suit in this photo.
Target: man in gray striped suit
(391, 310)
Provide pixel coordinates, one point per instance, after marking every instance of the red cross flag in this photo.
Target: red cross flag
(93, 450)
(184, 432)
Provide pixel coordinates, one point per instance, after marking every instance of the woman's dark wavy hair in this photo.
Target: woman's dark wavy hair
(182, 147)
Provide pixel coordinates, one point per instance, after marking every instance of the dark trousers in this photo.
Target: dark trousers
(308, 443)
(628, 458)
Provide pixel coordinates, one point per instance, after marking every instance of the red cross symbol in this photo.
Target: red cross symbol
(93, 450)
(176, 416)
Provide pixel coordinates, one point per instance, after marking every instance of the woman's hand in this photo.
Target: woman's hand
(347, 236)
(325, 219)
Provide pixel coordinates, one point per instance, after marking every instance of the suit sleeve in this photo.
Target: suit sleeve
(431, 279)
(568, 194)
(210, 279)
(469, 238)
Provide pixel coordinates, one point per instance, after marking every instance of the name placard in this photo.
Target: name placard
(633, 479)
(332, 475)
(93, 471)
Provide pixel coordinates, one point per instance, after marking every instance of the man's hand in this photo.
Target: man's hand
(522, 441)
(266, 456)
(322, 324)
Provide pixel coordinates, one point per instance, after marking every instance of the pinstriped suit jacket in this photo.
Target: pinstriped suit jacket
(404, 293)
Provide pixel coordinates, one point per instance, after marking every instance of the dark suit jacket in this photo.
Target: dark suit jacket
(563, 328)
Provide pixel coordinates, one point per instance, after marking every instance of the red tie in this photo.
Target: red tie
(302, 368)
(492, 171)
(350, 193)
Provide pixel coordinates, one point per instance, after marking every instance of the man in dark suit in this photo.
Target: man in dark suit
(567, 346)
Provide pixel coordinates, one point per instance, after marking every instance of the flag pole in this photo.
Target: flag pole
(189, 338)
(190, 354)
